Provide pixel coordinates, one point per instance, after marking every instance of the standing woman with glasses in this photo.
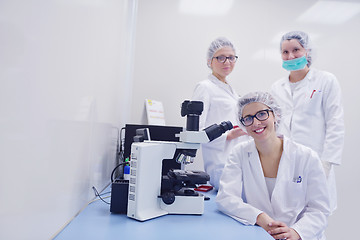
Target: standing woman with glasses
(312, 105)
(220, 101)
(271, 181)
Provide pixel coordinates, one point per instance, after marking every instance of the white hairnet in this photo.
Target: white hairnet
(304, 41)
(217, 44)
(264, 98)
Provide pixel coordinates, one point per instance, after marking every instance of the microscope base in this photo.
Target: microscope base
(185, 205)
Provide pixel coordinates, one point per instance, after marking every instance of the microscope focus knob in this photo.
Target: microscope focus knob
(168, 197)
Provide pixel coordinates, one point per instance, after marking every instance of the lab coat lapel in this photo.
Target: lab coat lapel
(222, 85)
(286, 85)
(302, 93)
(258, 174)
(286, 168)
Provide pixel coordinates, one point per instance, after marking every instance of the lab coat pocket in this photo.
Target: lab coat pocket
(294, 194)
(313, 102)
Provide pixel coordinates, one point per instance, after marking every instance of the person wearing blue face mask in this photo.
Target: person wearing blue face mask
(312, 105)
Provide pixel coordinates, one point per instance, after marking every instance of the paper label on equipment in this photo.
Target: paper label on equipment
(132, 197)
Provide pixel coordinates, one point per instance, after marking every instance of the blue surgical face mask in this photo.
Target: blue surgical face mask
(295, 64)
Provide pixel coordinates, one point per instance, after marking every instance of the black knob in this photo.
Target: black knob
(168, 197)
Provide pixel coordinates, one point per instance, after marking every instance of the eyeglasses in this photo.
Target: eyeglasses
(222, 59)
(260, 115)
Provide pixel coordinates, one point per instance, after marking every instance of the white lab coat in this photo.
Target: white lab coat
(302, 205)
(220, 104)
(314, 117)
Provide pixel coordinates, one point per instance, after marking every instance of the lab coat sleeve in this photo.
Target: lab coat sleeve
(201, 93)
(229, 197)
(276, 88)
(313, 219)
(334, 120)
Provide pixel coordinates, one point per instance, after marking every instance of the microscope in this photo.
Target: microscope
(150, 194)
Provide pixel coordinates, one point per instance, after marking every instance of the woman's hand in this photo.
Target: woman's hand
(279, 230)
(235, 133)
(264, 220)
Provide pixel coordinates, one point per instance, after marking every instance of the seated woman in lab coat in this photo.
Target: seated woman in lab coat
(220, 101)
(272, 181)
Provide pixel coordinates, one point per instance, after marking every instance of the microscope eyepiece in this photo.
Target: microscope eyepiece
(226, 125)
(216, 130)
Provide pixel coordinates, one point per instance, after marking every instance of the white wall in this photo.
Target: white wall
(170, 59)
(64, 92)
(66, 82)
